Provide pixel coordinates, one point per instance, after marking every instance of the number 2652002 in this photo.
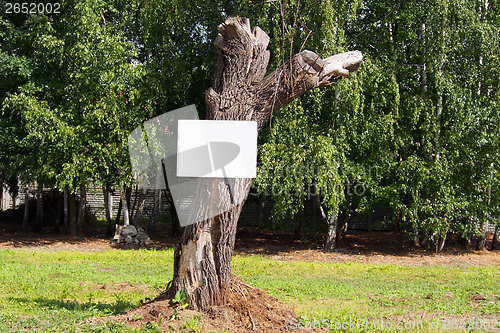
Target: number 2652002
(33, 8)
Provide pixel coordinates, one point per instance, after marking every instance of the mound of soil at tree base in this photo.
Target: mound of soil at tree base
(248, 310)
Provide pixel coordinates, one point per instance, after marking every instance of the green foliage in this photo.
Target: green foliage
(66, 287)
(193, 324)
(180, 297)
(175, 315)
(63, 288)
(338, 138)
(443, 169)
(414, 129)
(69, 122)
(315, 289)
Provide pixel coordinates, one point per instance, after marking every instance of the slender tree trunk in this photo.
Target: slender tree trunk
(73, 229)
(173, 213)
(140, 208)
(1, 194)
(26, 207)
(80, 221)
(417, 240)
(441, 242)
(126, 217)
(303, 223)
(261, 206)
(154, 214)
(175, 221)
(331, 240)
(481, 242)
(160, 198)
(135, 203)
(128, 196)
(241, 91)
(39, 207)
(119, 213)
(57, 200)
(315, 203)
(495, 244)
(331, 219)
(108, 207)
(66, 212)
(467, 241)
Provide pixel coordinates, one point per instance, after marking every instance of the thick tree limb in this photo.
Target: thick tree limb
(240, 80)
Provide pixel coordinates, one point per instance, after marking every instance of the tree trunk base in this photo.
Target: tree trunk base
(249, 309)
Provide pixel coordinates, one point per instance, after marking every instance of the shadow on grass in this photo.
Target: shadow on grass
(117, 307)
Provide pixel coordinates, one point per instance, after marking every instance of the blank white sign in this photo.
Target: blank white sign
(217, 148)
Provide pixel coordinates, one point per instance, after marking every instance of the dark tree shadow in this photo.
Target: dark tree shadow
(72, 305)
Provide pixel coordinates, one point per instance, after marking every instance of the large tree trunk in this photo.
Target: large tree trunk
(241, 91)
(202, 259)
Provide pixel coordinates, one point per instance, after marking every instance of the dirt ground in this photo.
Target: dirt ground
(358, 246)
(250, 309)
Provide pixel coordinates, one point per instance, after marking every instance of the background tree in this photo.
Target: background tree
(70, 121)
(439, 65)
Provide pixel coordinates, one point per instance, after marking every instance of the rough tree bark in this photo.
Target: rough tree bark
(241, 91)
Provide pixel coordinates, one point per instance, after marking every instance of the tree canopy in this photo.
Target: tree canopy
(416, 128)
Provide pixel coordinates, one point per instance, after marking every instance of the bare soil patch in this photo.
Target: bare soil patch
(142, 289)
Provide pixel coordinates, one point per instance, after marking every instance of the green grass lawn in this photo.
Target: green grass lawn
(52, 291)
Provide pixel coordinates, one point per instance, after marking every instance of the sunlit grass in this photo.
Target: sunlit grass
(352, 291)
(54, 291)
